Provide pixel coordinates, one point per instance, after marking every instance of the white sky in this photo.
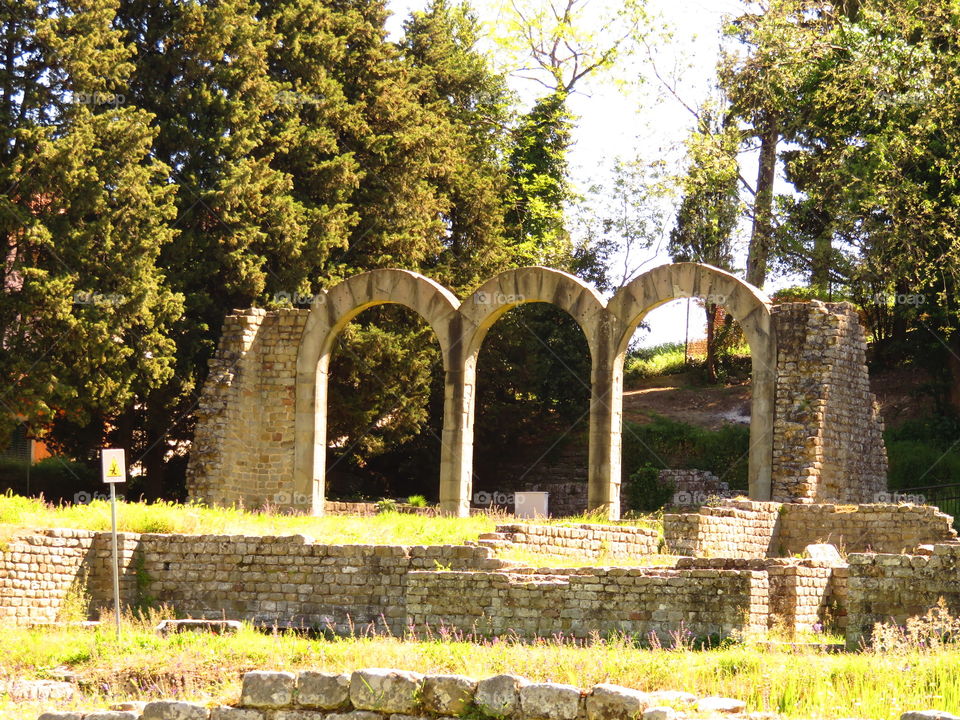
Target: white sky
(644, 122)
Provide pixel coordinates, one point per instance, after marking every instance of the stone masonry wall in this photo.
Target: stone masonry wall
(387, 694)
(896, 587)
(638, 601)
(242, 451)
(860, 528)
(581, 541)
(747, 529)
(736, 529)
(286, 581)
(828, 433)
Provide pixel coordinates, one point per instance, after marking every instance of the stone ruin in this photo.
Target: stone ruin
(815, 430)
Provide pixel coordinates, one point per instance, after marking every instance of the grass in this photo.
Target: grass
(391, 528)
(665, 359)
(168, 517)
(207, 668)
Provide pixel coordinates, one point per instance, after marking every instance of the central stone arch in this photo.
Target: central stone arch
(749, 307)
(330, 313)
(509, 289)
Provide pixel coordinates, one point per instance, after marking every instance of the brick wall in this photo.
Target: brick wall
(888, 587)
(736, 529)
(580, 541)
(828, 433)
(606, 600)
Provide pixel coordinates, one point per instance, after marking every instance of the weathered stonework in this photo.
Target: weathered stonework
(828, 433)
(889, 587)
(388, 694)
(261, 430)
(581, 541)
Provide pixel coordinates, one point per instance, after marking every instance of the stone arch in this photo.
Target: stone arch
(509, 289)
(749, 307)
(331, 312)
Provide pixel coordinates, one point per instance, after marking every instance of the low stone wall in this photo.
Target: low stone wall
(287, 580)
(744, 529)
(385, 694)
(804, 593)
(580, 541)
(736, 529)
(882, 528)
(638, 601)
(896, 587)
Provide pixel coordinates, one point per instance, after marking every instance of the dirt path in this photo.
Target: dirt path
(676, 397)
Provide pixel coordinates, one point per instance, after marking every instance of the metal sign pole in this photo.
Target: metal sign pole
(116, 557)
(114, 467)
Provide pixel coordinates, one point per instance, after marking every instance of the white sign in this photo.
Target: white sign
(114, 465)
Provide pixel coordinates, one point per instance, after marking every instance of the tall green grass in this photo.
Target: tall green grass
(143, 665)
(665, 359)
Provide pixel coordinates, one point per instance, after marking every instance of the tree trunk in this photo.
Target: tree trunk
(711, 350)
(820, 270)
(762, 235)
(954, 362)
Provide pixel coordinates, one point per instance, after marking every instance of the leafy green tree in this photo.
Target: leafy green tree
(86, 211)
(710, 208)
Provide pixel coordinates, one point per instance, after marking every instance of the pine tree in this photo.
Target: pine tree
(85, 317)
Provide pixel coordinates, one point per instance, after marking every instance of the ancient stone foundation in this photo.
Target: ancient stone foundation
(385, 694)
(292, 581)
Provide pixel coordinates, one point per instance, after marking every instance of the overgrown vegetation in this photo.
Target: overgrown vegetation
(208, 668)
(665, 443)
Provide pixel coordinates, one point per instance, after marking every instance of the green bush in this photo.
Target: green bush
(417, 501)
(645, 492)
(55, 478)
(923, 452)
(666, 443)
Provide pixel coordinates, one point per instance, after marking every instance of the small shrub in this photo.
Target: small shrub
(418, 501)
(936, 630)
(645, 491)
(386, 505)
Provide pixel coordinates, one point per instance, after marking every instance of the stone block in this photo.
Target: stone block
(720, 705)
(61, 716)
(267, 689)
(499, 695)
(823, 552)
(172, 710)
(614, 702)
(112, 715)
(225, 712)
(927, 715)
(661, 712)
(327, 691)
(448, 694)
(549, 701)
(386, 691)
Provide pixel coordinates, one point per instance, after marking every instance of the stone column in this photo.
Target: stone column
(456, 449)
(606, 417)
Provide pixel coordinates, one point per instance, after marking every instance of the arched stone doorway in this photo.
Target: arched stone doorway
(748, 306)
(330, 313)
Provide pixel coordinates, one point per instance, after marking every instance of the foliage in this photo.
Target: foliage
(54, 478)
(645, 492)
(931, 632)
(418, 501)
(663, 359)
(665, 443)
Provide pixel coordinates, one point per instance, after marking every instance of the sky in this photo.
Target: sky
(644, 121)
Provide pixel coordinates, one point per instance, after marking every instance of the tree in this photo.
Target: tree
(710, 208)
(86, 313)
